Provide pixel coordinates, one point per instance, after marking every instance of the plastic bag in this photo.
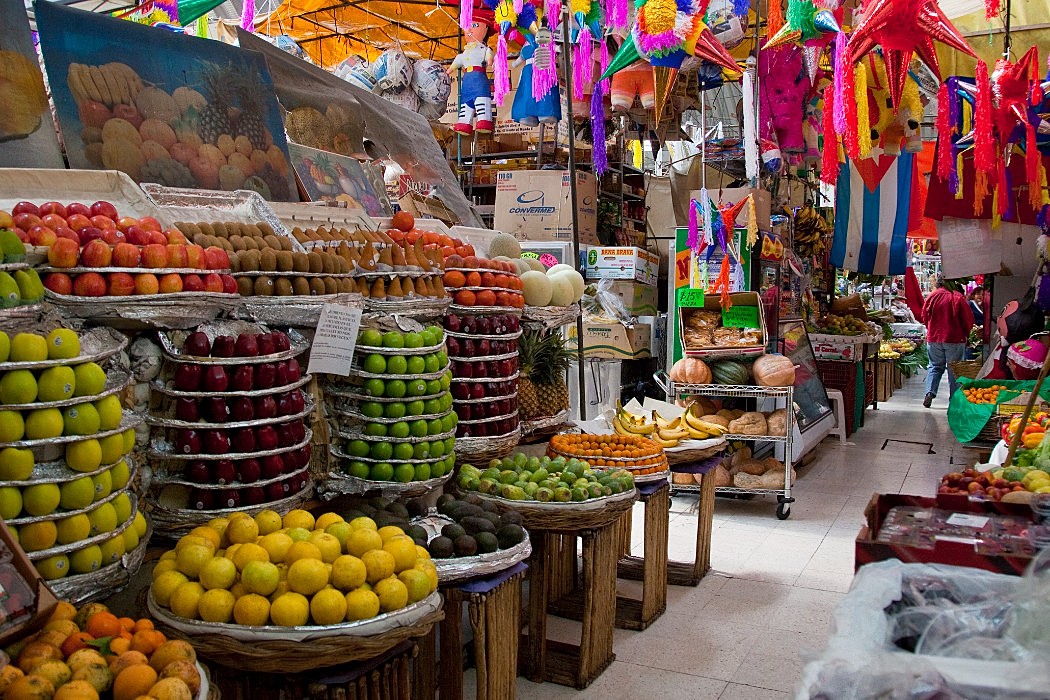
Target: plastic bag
(600, 304)
(1030, 621)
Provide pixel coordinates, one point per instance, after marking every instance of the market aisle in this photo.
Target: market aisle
(745, 631)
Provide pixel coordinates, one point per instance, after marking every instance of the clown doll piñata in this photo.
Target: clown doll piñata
(475, 95)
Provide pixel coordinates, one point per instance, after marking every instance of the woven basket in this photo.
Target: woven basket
(992, 430)
(108, 580)
(695, 454)
(966, 368)
(173, 523)
(593, 513)
(297, 652)
(482, 449)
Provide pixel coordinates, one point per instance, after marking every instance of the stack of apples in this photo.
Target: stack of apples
(94, 251)
(483, 350)
(230, 419)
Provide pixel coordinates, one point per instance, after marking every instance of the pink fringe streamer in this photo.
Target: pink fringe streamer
(517, 6)
(552, 11)
(248, 16)
(501, 72)
(991, 9)
(658, 43)
(945, 152)
(829, 163)
(581, 64)
(983, 136)
(601, 157)
(693, 241)
(617, 12)
(545, 79)
(466, 14)
(850, 98)
(839, 83)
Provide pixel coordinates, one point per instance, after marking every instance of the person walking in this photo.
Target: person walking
(948, 321)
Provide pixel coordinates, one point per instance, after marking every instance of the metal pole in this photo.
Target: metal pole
(1006, 38)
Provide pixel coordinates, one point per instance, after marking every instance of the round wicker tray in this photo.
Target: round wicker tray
(96, 345)
(110, 579)
(596, 512)
(58, 472)
(164, 387)
(15, 265)
(116, 381)
(480, 310)
(482, 449)
(165, 422)
(160, 479)
(342, 432)
(355, 372)
(346, 485)
(171, 344)
(485, 399)
(484, 358)
(173, 523)
(295, 311)
(456, 569)
(336, 452)
(487, 379)
(165, 450)
(282, 649)
(128, 420)
(485, 336)
(373, 350)
(349, 413)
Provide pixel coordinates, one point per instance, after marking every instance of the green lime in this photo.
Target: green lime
(399, 430)
(374, 387)
(384, 471)
(446, 380)
(397, 365)
(433, 387)
(414, 408)
(421, 450)
(449, 422)
(358, 448)
(395, 388)
(418, 428)
(370, 337)
(403, 451)
(393, 339)
(422, 472)
(442, 358)
(446, 402)
(375, 364)
(437, 448)
(429, 339)
(450, 444)
(381, 450)
(375, 430)
(437, 469)
(435, 426)
(437, 331)
(372, 409)
(416, 387)
(430, 364)
(358, 469)
(413, 340)
(404, 473)
(432, 406)
(417, 365)
(450, 461)
(395, 409)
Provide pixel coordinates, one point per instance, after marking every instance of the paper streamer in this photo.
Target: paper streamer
(705, 208)
(750, 133)
(841, 57)
(829, 161)
(693, 240)
(501, 72)
(581, 63)
(860, 90)
(248, 16)
(466, 14)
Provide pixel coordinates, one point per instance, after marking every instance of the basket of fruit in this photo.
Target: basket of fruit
(255, 603)
(473, 444)
(122, 556)
(643, 458)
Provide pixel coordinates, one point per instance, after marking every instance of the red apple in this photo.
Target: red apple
(66, 232)
(243, 378)
(155, 256)
(53, 221)
(213, 283)
(192, 283)
(125, 255)
(197, 344)
(253, 496)
(102, 222)
(201, 499)
(88, 234)
(113, 236)
(223, 472)
(216, 442)
(97, 253)
(25, 208)
(281, 341)
(149, 223)
(223, 346)
(266, 437)
(22, 235)
(121, 284)
(137, 235)
(277, 490)
(265, 375)
(158, 238)
(216, 258)
(89, 284)
(229, 284)
(170, 283)
(52, 208)
(264, 341)
(244, 440)
(229, 498)
(241, 408)
(126, 222)
(195, 257)
(272, 466)
(176, 256)
(77, 221)
(187, 376)
(42, 235)
(265, 407)
(146, 283)
(246, 345)
(248, 471)
(26, 221)
(198, 472)
(215, 379)
(187, 410)
(295, 373)
(175, 236)
(77, 208)
(104, 208)
(59, 283)
(188, 441)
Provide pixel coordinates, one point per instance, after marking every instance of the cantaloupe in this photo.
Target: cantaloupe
(522, 264)
(575, 279)
(558, 268)
(504, 244)
(562, 291)
(537, 288)
(534, 264)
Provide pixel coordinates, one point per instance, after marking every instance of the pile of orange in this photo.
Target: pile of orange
(91, 654)
(633, 452)
(987, 394)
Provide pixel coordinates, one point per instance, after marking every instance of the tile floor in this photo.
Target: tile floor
(745, 632)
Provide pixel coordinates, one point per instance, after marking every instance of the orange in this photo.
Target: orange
(147, 641)
(134, 681)
(464, 297)
(76, 690)
(103, 624)
(172, 650)
(143, 624)
(75, 642)
(126, 660)
(485, 297)
(454, 278)
(8, 675)
(488, 279)
(403, 220)
(119, 645)
(127, 623)
(473, 279)
(185, 671)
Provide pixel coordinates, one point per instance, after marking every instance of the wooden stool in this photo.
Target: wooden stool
(651, 567)
(690, 573)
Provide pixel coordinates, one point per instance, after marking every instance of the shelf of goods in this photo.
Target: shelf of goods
(391, 419)
(66, 470)
(780, 395)
(230, 419)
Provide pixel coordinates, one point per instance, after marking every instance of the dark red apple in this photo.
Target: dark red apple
(229, 284)
(463, 370)
(286, 435)
(295, 372)
(52, 208)
(103, 208)
(265, 375)
(241, 408)
(253, 496)
(283, 408)
(215, 410)
(215, 378)
(137, 235)
(276, 491)
(216, 442)
(452, 346)
(272, 466)
(243, 378)
(296, 402)
(197, 344)
(223, 472)
(188, 441)
(465, 411)
(249, 471)
(265, 407)
(481, 370)
(460, 390)
(230, 498)
(281, 341)
(25, 208)
(88, 234)
(483, 347)
(243, 440)
(266, 437)
(264, 341)
(246, 345)
(484, 325)
(202, 499)
(77, 208)
(224, 346)
(187, 376)
(477, 390)
(186, 410)
(468, 348)
(280, 377)
(198, 472)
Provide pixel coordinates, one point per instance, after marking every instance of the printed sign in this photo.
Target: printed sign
(333, 346)
(740, 317)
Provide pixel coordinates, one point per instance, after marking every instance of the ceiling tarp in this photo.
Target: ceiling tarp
(1029, 26)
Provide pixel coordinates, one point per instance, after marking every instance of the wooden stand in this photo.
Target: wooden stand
(651, 567)
(690, 573)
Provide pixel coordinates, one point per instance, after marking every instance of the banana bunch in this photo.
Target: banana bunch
(810, 232)
(667, 433)
(627, 423)
(111, 84)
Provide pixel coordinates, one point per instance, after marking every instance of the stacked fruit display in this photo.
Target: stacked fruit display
(484, 353)
(642, 458)
(19, 285)
(473, 281)
(229, 417)
(290, 572)
(521, 478)
(64, 441)
(1014, 484)
(394, 412)
(91, 653)
(843, 325)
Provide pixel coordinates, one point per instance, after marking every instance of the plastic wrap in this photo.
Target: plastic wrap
(603, 304)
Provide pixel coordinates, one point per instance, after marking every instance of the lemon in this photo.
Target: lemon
(55, 384)
(218, 572)
(165, 584)
(185, 599)
(41, 499)
(162, 566)
(329, 546)
(90, 379)
(302, 550)
(393, 594)
(307, 576)
(348, 572)
(428, 568)
(204, 533)
(340, 530)
(299, 518)
(86, 560)
(112, 448)
(403, 550)
(10, 502)
(103, 487)
(363, 540)
(44, 423)
(77, 494)
(192, 558)
(363, 522)
(361, 604)
(328, 607)
(247, 552)
(216, 605)
(84, 456)
(122, 504)
(268, 521)
(326, 519)
(5, 346)
(16, 464)
(18, 386)
(242, 530)
(103, 519)
(252, 610)
(290, 610)
(81, 419)
(129, 440)
(298, 534)
(193, 538)
(121, 474)
(380, 565)
(260, 577)
(390, 531)
(140, 524)
(112, 550)
(73, 529)
(53, 567)
(421, 553)
(55, 672)
(282, 588)
(131, 539)
(12, 428)
(417, 583)
(37, 536)
(28, 347)
(276, 545)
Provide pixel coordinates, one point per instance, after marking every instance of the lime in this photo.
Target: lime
(430, 364)
(5, 346)
(375, 430)
(413, 340)
(399, 430)
(394, 410)
(433, 387)
(446, 401)
(435, 426)
(429, 339)
(417, 365)
(395, 388)
(375, 364)
(437, 331)
(357, 448)
(91, 379)
(437, 469)
(415, 408)
(432, 406)
(380, 451)
(450, 442)
(422, 472)
(420, 450)
(384, 471)
(372, 409)
(359, 470)
(404, 473)
(418, 428)
(374, 387)
(370, 337)
(449, 422)
(416, 387)
(437, 448)
(442, 358)
(397, 365)
(446, 380)
(403, 451)
(393, 339)
(450, 461)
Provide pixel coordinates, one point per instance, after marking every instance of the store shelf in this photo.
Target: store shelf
(737, 391)
(756, 438)
(499, 156)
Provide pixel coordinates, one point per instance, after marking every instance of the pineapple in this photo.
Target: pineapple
(250, 121)
(542, 389)
(215, 116)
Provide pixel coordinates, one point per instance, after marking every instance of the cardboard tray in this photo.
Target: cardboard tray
(39, 185)
(711, 304)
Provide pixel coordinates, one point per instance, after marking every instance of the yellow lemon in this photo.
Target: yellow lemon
(341, 531)
(81, 419)
(41, 499)
(122, 504)
(260, 577)
(192, 538)
(421, 552)
(363, 540)
(5, 346)
(216, 605)
(192, 558)
(218, 572)
(44, 423)
(268, 521)
(103, 487)
(276, 545)
(12, 428)
(307, 576)
(112, 550)
(73, 529)
(103, 519)
(77, 494)
(403, 549)
(252, 610)
(328, 607)
(299, 518)
(393, 594)
(62, 344)
(241, 530)
(249, 551)
(361, 604)
(112, 447)
(290, 610)
(131, 539)
(84, 456)
(388, 532)
(326, 519)
(10, 502)
(428, 568)
(110, 412)
(28, 347)
(53, 567)
(380, 565)
(37, 536)
(165, 584)
(348, 572)
(162, 566)
(121, 474)
(185, 599)
(329, 546)
(298, 534)
(301, 550)
(55, 384)
(90, 379)
(129, 440)
(16, 464)
(207, 534)
(140, 524)
(363, 522)
(54, 671)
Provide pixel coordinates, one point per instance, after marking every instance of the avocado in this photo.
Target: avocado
(416, 532)
(473, 499)
(442, 500)
(487, 542)
(511, 517)
(469, 511)
(494, 519)
(11, 246)
(510, 535)
(416, 508)
(466, 546)
(353, 514)
(474, 525)
(449, 507)
(453, 531)
(399, 510)
(441, 548)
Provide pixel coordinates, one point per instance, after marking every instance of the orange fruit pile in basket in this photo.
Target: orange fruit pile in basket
(988, 394)
(632, 452)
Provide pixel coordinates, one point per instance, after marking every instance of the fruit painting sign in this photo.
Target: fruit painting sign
(163, 107)
(27, 133)
(331, 177)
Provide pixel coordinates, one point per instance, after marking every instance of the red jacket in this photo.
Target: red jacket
(947, 317)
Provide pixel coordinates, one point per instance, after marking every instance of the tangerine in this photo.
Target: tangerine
(403, 220)
(134, 681)
(473, 279)
(486, 297)
(103, 624)
(469, 259)
(454, 278)
(465, 297)
(488, 280)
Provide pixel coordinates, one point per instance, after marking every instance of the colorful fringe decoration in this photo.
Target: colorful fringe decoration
(840, 60)
(202, 26)
(750, 132)
(849, 97)
(600, 155)
(706, 206)
(618, 13)
(775, 20)
(248, 16)
(721, 284)
(500, 71)
(517, 6)
(944, 154)
(552, 11)
(829, 163)
(1033, 165)
(545, 74)
(581, 63)
(466, 14)
(984, 138)
(860, 91)
(693, 240)
(991, 9)
(752, 222)
(740, 7)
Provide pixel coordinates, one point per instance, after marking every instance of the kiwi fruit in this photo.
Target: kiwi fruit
(237, 242)
(224, 244)
(235, 262)
(249, 260)
(300, 262)
(198, 239)
(301, 287)
(234, 228)
(282, 287)
(330, 285)
(267, 260)
(263, 286)
(272, 242)
(206, 228)
(264, 228)
(284, 261)
(317, 286)
(286, 243)
(219, 229)
(316, 264)
(251, 243)
(245, 286)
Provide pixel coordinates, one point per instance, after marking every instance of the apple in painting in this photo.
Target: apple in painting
(121, 284)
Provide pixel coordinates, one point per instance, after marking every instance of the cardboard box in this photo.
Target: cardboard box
(711, 303)
(427, 208)
(730, 195)
(884, 380)
(536, 205)
(944, 551)
(613, 340)
(640, 299)
(622, 263)
(23, 577)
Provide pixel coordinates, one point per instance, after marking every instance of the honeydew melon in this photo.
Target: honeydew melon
(537, 288)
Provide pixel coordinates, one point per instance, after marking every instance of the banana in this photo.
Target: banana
(696, 434)
(100, 84)
(663, 424)
(639, 429)
(679, 434)
(663, 442)
(700, 425)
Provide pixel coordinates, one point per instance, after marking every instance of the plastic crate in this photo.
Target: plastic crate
(842, 376)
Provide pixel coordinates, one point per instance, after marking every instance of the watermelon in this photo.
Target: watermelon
(730, 372)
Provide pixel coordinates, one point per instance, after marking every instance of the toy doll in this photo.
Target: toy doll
(475, 94)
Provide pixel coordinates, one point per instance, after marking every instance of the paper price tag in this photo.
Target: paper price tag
(335, 340)
(978, 522)
(690, 298)
(530, 254)
(740, 317)
(548, 260)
